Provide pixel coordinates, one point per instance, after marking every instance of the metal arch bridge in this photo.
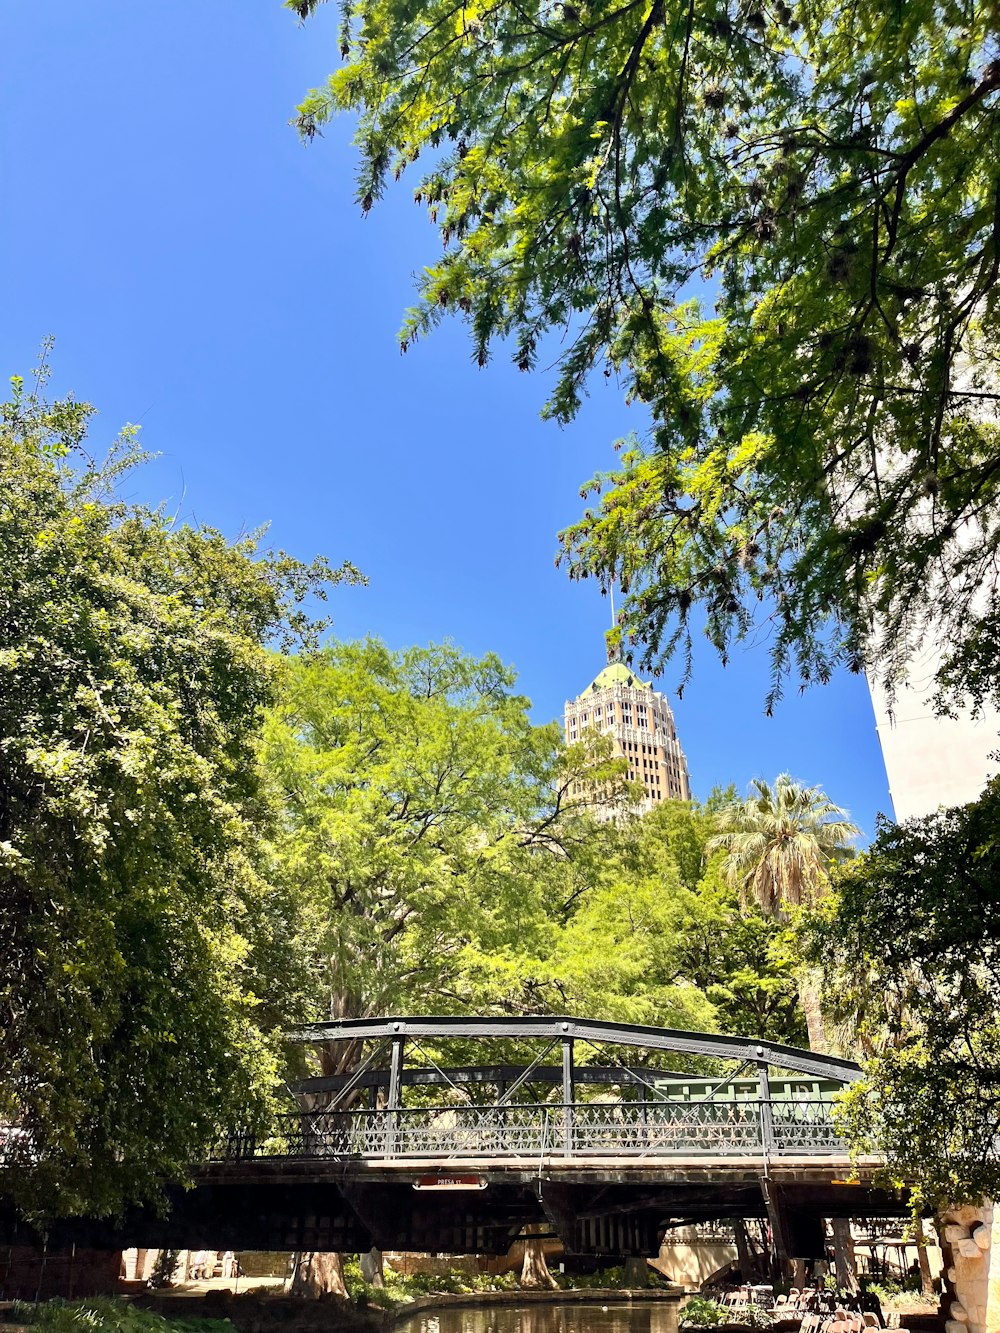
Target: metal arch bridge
(403, 1153)
(651, 1115)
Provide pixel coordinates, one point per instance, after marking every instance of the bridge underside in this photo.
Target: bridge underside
(606, 1209)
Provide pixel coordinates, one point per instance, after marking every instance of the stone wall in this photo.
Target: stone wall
(970, 1244)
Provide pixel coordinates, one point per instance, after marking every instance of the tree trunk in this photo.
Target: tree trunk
(924, 1260)
(535, 1270)
(843, 1253)
(636, 1273)
(318, 1273)
(746, 1265)
(371, 1268)
(809, 993)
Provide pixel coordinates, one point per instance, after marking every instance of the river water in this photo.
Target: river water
(571, 1317)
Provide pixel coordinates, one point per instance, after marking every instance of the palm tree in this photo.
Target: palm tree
(781, 844)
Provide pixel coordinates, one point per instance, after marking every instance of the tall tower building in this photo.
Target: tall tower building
(640, 722)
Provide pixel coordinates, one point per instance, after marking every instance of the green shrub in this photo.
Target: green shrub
(703, 1312)
(434, 1284)
(494, 1281)
(106, 1315)
(752, 1316)
(604, 1277)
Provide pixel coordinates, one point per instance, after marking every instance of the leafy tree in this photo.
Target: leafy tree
(908, 944)
(142, 948)
(745, 963)
(429, 832)
(652, 933)
(429, 825)
(777, 223)
(781, 844)
(740, 956)
(619, 956)
(444, 857)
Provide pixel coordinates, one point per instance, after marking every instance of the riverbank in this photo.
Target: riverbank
(600, 1296)
(253, 1312)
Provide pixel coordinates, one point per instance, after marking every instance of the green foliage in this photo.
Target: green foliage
(164, 1268)
(442, 854)
(782, 842)
(104, 1315)
(755, 1316)
(703, 1312)
(429, 826)
(684, 953)
(452, 1283)
(605, 1279)
(909, 946)
(777, 225)
(400, 1289)
(143, 951)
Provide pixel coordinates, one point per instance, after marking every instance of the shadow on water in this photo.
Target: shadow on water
(654, 1317)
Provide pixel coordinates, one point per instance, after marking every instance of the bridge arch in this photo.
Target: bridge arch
(650, 1114)
(563, 1028)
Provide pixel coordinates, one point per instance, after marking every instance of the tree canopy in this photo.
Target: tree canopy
(423, 811)
(144, 951)
(661, 938)
(777, 222)
(781, 845)
(445, 858)
(909, 947)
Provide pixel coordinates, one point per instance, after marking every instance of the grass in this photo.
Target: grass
(105, 1315)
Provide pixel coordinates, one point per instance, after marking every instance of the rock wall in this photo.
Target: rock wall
(970, 1243)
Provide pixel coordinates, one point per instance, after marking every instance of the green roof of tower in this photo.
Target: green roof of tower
(617, 673)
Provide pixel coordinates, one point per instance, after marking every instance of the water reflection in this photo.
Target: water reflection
(575, 1317)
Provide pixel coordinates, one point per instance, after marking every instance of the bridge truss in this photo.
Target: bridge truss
(594, 1110)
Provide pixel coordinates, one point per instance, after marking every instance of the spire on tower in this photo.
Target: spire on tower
(614, 654)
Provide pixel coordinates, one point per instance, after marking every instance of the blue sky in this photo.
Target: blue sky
(209, 277)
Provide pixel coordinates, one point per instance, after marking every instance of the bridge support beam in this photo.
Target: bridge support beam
(396, 1074)
(778, 1218)
(569, 1093)
(556, 1201)
(395, 1095)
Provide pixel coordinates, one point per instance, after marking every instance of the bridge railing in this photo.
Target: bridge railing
(593, 1129)
(804, 1126)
